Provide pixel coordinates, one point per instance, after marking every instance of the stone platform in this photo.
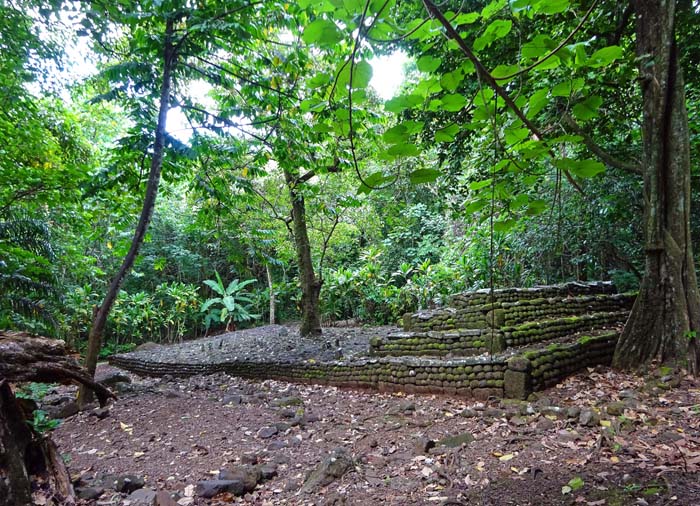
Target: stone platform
(480, 355)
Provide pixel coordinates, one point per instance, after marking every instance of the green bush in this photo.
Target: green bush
(169, 314)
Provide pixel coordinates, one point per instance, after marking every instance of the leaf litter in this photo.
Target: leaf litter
(176, 432)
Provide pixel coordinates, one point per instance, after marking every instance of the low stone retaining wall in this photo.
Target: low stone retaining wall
(477, 377)
(477, 316)
(574, 288)
(540, 369)
(539, 331)
(457, 342)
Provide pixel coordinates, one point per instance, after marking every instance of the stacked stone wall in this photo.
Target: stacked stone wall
(498, 376)
(514, 312)
(483, 296)
(457, 342)
(479, 327)
(465, 377)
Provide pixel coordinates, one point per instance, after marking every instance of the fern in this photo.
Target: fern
(26, 296)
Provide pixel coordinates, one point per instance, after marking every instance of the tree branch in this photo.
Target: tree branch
(486, 76)
(603, 155)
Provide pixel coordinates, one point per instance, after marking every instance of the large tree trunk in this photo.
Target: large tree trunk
(310, 284)
(24, 454)
(666, 315)
(100, 320)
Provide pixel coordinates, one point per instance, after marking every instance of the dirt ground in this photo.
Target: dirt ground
(600, 438)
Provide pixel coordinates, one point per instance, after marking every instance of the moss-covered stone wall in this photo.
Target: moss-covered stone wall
(464, 377)
(572, 289)
(502, 313)
(457, 342)
(481, 377)
(476, 329)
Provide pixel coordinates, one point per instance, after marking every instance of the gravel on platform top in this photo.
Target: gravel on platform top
(267, 344)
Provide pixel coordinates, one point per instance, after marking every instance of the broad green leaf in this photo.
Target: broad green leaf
(581, 57)
(453, 102)
(398, 104)
(566, 88)
(418, 29)
(428, 64)
(551, 6)
(427, 87)
(362, 74)
(216, 287)
(209, 303)
(322, 128)
(587, 109)
(313, 104)
(446, 134)
(322, 32)
(229, 302)
(504, 225)
(605, 56)
(353, 6)
(517, 6)
(504, 70)
(396, 135)
(413, 127)
(403, 150)
(371, 181)
(537, 102)
(515, 135)
(467, 68)
(496, 30)
(474, 206)
(581, 168)
(493, 8)
(319, 80)
(450, 81)
(466, 18)
(423, 176)
(537, 47)
(519, 201)
(478, 185)
(536, 207)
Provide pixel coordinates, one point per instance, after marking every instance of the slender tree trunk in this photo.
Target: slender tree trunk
(666, 315)
(100, 319)
(310, 284)
(272, 294)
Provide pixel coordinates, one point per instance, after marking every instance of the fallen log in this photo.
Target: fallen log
(27, 358)
(26, 455)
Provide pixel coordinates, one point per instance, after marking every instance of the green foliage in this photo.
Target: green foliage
(36, 392)
(168, 314)
(234, 304)
(42, 423)
(27, 279)
(573, 485)
(110, 348)
(33, 391)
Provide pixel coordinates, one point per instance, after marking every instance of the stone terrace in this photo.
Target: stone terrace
(508, 343)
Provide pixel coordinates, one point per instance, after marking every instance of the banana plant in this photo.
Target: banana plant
(233, 304)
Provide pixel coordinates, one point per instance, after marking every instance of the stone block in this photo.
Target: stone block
(495, 342)
(517, 384)
(496, 318)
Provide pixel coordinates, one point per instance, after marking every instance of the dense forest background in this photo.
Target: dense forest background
(438, 190)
